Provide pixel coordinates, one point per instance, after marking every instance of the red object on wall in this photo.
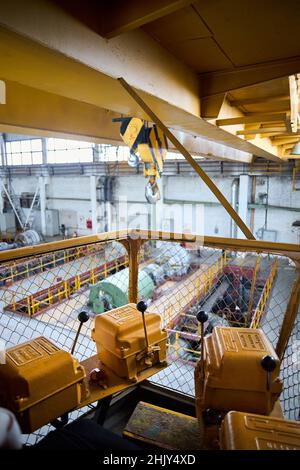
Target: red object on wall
(89, 223)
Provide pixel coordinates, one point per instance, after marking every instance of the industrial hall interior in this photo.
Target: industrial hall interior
(150, 225)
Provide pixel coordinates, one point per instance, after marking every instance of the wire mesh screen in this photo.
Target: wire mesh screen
(236, 289)
(290, 373)
(44, 295)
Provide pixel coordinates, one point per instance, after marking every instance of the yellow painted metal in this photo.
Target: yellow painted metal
(253, 285)
(245, 431)
(51, 48)
(120, 340)
(40, 382)
(262, 304)
(233, 375)
(231, 244)
(123, 17)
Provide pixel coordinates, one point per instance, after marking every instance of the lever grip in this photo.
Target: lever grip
(202, 316)
(83, 316)
(141, 306)
(268, 363)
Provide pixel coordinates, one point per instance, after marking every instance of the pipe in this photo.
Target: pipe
(234, 203)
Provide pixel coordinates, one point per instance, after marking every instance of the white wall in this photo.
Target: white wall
(70, 195)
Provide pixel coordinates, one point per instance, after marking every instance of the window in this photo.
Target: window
(69, 151)
(24, 152)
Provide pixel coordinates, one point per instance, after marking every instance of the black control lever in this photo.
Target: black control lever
(202, 317)
(268, 363)
(142, 307)
(82, 318)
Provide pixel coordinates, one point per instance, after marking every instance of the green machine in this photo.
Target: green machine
(113, 292)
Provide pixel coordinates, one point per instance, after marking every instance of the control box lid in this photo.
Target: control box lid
(121, 330)
(233, 358)
(34, 371)
(245, 431)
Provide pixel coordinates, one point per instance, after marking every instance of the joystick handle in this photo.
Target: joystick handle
(202, 317)
(268, 363)
(83, 318)
(142, 307)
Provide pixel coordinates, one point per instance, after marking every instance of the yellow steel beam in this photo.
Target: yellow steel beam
(61, 55)
(213, 83)
(121, 17)
(285, 140)
(221, 198)
(56, 116)
(211, 106)
(259, 100)
(254, 118)
(271, 130)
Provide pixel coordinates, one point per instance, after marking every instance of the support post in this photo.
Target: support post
(253, 285)
(289, 317)
(243, 200)
(3, 151)
(221, 198)
(42, 184)
(133, 247)
(44, 150)
(93, 196)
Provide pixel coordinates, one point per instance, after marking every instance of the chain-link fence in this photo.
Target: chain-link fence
(290, 374)
(43, 295)
(236, 289)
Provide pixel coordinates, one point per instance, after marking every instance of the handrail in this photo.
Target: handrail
(235, 244)
(260, 309)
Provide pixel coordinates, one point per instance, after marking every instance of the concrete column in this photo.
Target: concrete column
(42, 183)
(158, 208)
(3, 151)
(243, 201)
(93, 197)
(44, 150)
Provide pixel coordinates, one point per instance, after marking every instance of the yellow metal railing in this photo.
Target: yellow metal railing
(47, 262)
(65, 291)
(261, 306)
(196, 286)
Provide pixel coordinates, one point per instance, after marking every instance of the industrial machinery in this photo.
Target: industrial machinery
(26, 238)
(245, 431)
(129, 340)
(238, 370)
(112, 292)
(40, 382)
(149, 145)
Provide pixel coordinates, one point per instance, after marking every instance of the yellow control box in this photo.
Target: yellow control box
(234, 378)
(240, 431)
(120, 339)
(40, 382)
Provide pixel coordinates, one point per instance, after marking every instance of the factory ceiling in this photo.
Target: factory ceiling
(224, 70)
